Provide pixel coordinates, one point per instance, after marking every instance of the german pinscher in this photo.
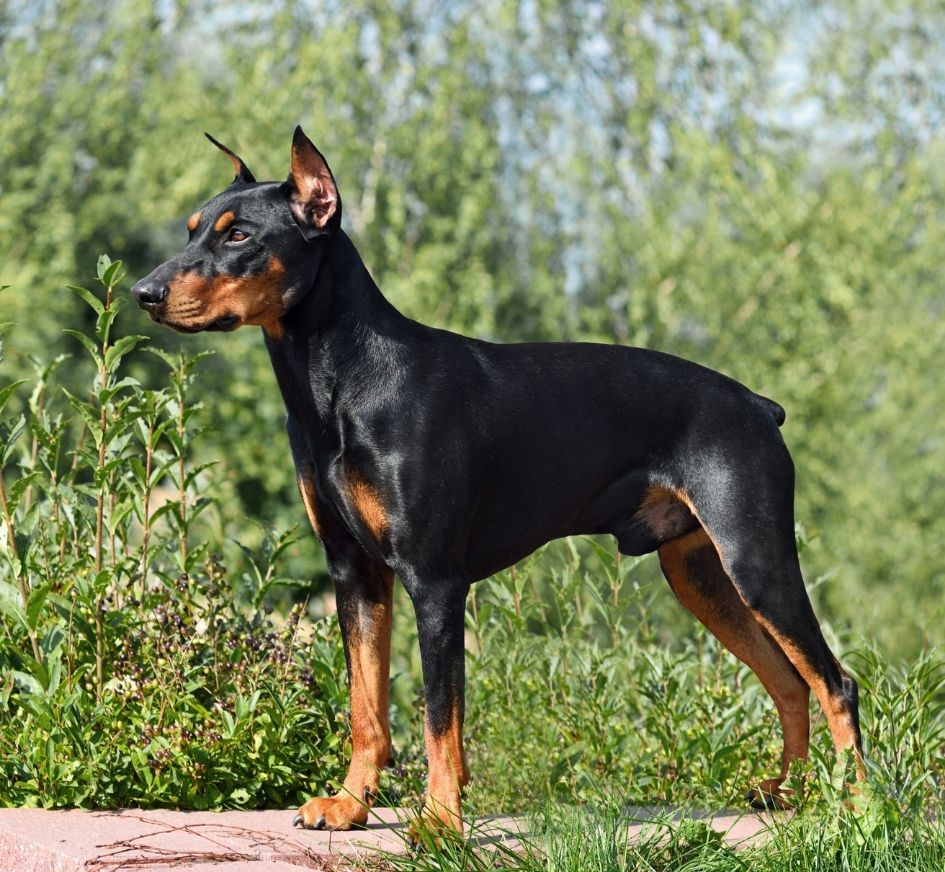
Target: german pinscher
(442, 459)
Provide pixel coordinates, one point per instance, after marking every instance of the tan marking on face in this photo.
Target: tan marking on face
(448, 773)
(195, 301)
(367, 504)
(193, 221)
(224, 221)
(310, 500)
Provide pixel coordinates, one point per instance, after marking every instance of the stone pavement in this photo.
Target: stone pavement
(35, 840)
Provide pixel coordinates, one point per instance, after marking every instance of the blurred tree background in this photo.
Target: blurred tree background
(755, 186)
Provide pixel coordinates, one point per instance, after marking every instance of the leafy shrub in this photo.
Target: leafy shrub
(137, 668)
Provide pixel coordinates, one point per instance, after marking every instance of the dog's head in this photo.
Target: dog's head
(251, 248)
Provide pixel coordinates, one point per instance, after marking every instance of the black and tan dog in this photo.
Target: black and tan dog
(441, 460)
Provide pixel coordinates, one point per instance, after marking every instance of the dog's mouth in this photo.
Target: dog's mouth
(223, 324)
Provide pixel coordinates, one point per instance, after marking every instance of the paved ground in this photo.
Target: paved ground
(34, 840)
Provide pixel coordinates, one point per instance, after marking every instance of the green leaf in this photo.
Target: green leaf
(139, 760)
(240, 796)
(90, 298)
(112, 273)
(168, 508)
(102, 266)
(89, 344)
(30, 684)
(18, 488)
(7, 392)
(104, 323)
(228, 723)
(114, 354)
(8, 445)
(55, 675)
(87, 414)
(117, 518)
(34, 605)
(10, 604)
(38, 669)
(6, 690)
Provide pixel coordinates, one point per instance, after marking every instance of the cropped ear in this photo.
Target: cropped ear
(311, 189)
(243, 175)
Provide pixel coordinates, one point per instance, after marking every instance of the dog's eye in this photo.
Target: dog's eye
(236, 235)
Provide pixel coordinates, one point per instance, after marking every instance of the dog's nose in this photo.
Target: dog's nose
(149, 292)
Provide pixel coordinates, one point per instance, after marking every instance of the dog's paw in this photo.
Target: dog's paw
(769, 795)
(435, 825)
(332, 813)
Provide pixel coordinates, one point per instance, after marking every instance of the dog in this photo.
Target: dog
(442, 459)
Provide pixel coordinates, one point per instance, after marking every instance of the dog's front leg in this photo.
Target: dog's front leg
(440, 609)
(364, 595)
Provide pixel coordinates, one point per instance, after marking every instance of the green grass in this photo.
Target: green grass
(138, 666)
(598, 839)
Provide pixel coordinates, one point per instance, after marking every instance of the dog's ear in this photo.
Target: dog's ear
(243, 175)
(311, 189)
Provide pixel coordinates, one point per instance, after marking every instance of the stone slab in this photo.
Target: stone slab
(160, 840)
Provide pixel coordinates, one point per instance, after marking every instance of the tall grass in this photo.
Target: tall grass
(608, 839)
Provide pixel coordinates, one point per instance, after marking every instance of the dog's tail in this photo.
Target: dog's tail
(775, 410)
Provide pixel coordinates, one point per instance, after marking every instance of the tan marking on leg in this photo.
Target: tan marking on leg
(836, 710)
(370, 680)
(691, 565)
(448, 774)
(193, 222)
(367, 504)
(369, 672)
(224, 221)
(310, 500)
(838, 716)
(665, 512)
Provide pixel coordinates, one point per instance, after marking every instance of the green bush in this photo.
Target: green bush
(137, 668)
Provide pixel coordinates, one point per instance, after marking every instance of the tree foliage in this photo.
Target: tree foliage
(754, 186)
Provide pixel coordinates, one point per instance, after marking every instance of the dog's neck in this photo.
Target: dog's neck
(342, 292)
(341, 338)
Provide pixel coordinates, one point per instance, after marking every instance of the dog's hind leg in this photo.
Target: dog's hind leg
(694, 572)
(750, 521)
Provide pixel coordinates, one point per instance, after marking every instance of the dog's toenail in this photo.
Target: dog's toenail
(296, 820)
(320, 823)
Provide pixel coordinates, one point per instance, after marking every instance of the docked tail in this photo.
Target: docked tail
(775, 410)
